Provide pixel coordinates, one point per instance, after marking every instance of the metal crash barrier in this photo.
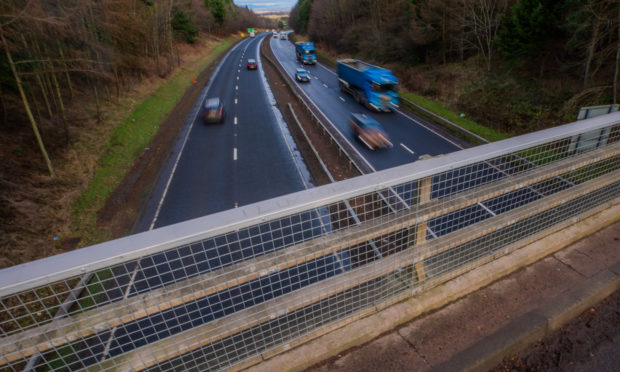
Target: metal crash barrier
(229, 289)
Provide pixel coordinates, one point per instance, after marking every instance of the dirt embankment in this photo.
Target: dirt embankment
(36, 218)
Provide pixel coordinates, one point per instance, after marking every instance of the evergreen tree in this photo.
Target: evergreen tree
(530, 28)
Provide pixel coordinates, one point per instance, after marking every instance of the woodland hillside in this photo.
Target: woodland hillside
(516, 65)
(68, 69)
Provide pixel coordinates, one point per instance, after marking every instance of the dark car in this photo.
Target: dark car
(302, 75)
(251, 64)
(369, 131)
(213, 111)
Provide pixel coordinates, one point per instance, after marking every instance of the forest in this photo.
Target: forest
(517, 65)
(67, 69)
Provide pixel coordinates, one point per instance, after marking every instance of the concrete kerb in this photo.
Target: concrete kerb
(368, 328)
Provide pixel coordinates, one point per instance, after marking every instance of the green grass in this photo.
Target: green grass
(540, 155)
(434, 107)
(129, 138)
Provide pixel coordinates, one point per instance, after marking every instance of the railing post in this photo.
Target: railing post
(424, 195)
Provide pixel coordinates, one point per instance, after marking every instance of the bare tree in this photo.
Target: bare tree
(480, 20)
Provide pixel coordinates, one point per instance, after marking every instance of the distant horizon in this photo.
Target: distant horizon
(267, 5)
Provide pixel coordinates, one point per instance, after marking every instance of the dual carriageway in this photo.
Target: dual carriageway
(251, 157)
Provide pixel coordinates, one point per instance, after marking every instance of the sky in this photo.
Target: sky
(272, 5)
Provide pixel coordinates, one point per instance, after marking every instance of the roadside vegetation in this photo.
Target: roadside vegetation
(513, 66)
(84, 86)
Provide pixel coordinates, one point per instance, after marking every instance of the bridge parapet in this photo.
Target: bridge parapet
(226, 290)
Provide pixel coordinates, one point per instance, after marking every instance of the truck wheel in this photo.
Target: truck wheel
(341, 86)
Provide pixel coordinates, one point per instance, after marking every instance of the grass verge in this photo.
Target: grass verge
(434, 107)
(127, 141)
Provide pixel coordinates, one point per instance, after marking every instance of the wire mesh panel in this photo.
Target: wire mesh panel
(226, 289)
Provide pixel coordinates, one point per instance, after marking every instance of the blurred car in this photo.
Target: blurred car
(251, 64)
(275, 33)
(369, 131)
(213, 111)
(302, 75)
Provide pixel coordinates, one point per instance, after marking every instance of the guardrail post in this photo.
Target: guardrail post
(424, 195)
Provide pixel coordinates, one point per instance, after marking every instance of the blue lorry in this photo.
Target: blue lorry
(372, 86)
(305, 53)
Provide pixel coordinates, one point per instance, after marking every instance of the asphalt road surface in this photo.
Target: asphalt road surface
(411, 139)
(249, 158)
(243, 160)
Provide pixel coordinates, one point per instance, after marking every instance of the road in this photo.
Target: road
(223, 166)
(250, 158)
(411, 139)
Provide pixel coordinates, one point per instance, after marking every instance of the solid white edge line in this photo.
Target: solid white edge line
(335, 127)
(429, 129)
(407, 116)
(408, 149)
(191, 126)
(280, 120)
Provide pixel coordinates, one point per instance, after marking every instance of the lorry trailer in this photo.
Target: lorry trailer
(373, 86)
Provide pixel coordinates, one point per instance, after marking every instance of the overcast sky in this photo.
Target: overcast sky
(267, 4)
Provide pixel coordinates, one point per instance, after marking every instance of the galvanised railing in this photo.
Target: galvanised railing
(226, 290)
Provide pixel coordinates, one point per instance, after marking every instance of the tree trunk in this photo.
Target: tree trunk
(62, 109)
(66, 71)
(35, 128)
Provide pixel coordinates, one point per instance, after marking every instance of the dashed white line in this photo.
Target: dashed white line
(325, 85)
(235, 116)
(342, 99)
(235, 101)
(408, 149)
(237, 77)
(235, 153)
(236, 87)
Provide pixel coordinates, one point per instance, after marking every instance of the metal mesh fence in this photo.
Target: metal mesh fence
(234, 294)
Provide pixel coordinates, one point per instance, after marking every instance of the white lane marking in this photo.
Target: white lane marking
(342, 99)
(240, 65)
(236, 205)
(316, 78)
(429, 129)
(407, 148)
(325, 85)
(364, 160)
(235, 153)
(235, 101)
(236, 87)
(407, 116)
(235, 116)
(189, 130)
(239, 70)
(237, 77)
